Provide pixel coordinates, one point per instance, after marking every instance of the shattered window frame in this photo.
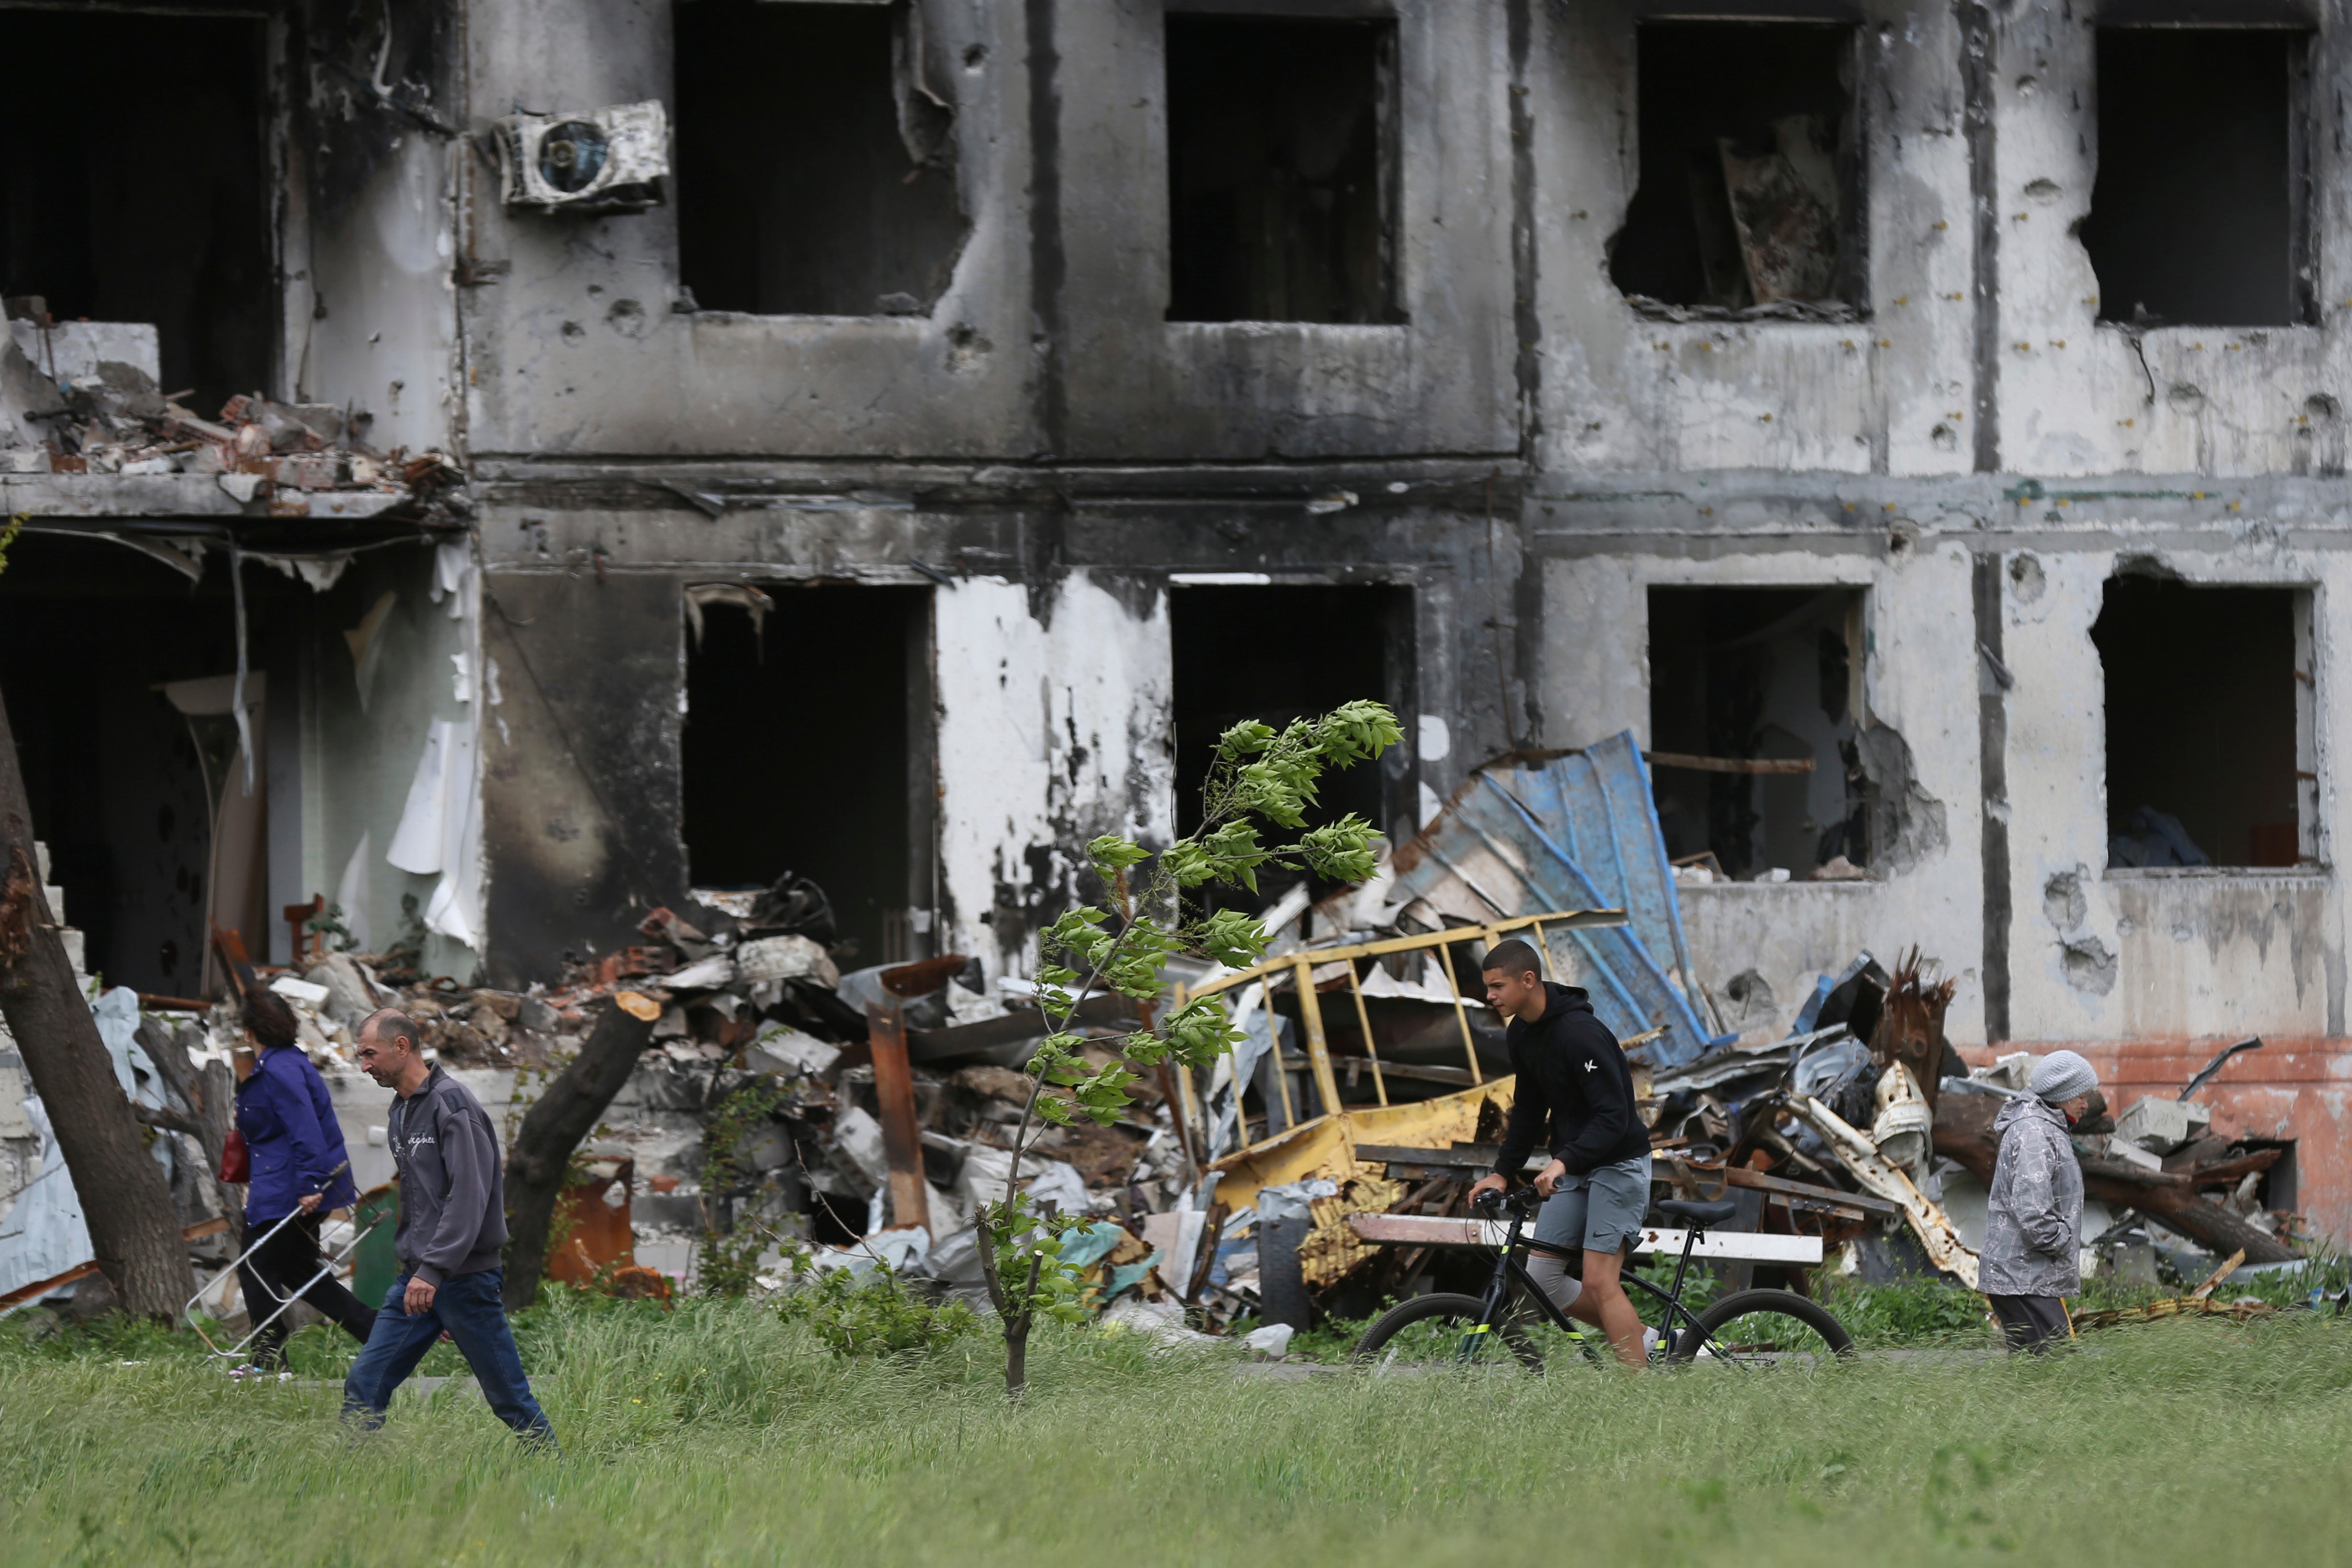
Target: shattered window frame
(1864, 751)
(2304, 247)
(1847, 295)
(2135, 845)
(762, 253)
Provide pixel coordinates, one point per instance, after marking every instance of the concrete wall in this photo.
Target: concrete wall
(579, 348)
(1890, 394)
(1524, 449)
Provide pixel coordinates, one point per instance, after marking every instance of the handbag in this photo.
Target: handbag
(236, 1165)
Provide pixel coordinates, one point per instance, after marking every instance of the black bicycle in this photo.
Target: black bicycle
(1746, 1327)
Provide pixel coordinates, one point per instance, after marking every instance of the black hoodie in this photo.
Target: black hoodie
(1572, 1075)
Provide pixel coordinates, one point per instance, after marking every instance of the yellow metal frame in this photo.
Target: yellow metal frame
(1303, 963)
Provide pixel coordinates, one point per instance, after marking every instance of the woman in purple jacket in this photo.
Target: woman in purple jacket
(298, 1167)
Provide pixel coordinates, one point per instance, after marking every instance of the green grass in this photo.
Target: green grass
(721, 1434)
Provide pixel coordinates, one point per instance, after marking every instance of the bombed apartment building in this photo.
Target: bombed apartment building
(489, 470)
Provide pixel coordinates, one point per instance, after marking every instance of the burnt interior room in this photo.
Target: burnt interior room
(815, 177)
(2200, 705)
(1748, 674)
(801, 753)
(1280, 653)
(1279, 154)
(2198, 208)
(87, 226)
(123, 782)
(1751, 168)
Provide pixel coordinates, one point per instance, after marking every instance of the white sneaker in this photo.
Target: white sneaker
(1649, 1342)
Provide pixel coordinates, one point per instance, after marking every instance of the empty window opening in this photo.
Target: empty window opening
(1750, 191)
(2199, 213)
(2203, 724)
(1769, 676)
(815, 168)
(1279, 163)
(134, 778)
(1276, 653)
(2276, 1188)
(89, 229)
(806, 749)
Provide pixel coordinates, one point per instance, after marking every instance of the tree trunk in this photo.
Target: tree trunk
(124, 1195)
(1964, 1131)
(566, 1111)
(1016, 1358)
(1016, 1324)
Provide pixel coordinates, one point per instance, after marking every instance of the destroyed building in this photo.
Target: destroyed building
(488, 470)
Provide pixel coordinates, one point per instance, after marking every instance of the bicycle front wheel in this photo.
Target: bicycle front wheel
(1443, 1331)
(1764, 1328)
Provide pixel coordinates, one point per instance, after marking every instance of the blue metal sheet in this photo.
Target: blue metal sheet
(1600, 806)
(1504, 846)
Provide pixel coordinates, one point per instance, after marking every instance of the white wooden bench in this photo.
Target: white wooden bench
(1733, 1246)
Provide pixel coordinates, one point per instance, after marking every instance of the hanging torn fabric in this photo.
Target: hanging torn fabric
(417, 842)
(440, 830)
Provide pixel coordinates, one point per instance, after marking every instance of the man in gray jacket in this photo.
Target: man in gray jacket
(2033, 1217)
(452, 1225)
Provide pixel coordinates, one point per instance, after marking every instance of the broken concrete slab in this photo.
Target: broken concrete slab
(2160, 1126)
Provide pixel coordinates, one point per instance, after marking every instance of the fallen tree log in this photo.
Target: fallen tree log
(1964, 1132)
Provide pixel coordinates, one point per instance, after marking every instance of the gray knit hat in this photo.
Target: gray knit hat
(2061, 1076)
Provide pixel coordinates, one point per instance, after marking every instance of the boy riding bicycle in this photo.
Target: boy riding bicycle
(1572, 1082)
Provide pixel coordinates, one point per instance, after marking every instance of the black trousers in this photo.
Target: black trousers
(2032, 1323)
(284, 1264)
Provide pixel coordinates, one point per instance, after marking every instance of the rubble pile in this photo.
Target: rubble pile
(748, 1008)
(81, 398)
(759, 1119)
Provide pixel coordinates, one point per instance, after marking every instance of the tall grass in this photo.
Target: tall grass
(718, 1433)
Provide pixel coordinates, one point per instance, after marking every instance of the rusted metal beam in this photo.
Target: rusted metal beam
(894, 1096)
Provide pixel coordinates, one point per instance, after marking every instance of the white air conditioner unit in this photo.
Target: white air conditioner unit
(605, 160)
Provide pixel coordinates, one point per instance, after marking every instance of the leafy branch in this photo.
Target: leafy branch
(1261, 780)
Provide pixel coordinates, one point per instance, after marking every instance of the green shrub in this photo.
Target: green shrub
(874, 1316)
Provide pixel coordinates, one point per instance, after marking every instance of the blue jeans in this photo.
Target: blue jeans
(468, 1307)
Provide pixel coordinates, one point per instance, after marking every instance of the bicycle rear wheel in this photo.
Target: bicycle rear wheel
(1442, 1331)
(1764, 1328)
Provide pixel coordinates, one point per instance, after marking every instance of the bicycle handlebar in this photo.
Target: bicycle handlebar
(1521, 1204)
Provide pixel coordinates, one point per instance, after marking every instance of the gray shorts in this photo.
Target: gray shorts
(1597, 1210)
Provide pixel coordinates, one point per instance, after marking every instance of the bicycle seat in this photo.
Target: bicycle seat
(1699, 1213)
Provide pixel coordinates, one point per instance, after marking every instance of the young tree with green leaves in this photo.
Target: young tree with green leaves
(1260, 778)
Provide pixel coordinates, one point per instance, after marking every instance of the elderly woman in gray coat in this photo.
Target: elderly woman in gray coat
(2033, 1217)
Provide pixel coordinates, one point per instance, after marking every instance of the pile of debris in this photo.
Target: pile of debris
(1867, 1096)
(749, 1010)
(870, 1113)
(82, 397)
(1861, 1125)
